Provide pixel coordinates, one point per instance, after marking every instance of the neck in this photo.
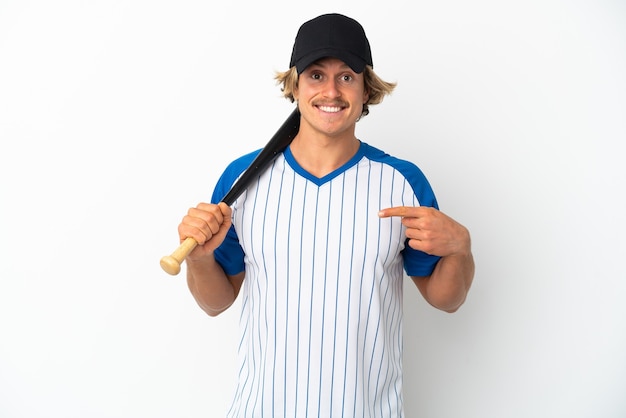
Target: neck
(321, 154)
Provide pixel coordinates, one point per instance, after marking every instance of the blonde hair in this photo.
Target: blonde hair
(374, 85)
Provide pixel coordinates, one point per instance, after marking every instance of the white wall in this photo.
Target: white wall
(116, 116)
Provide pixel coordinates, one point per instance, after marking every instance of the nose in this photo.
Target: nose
(331, 88)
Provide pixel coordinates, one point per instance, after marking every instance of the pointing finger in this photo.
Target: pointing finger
(395, 211)
(405, 211)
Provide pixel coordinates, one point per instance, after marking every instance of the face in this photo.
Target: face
(330, 96)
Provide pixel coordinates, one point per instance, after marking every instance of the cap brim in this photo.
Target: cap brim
(356, 63)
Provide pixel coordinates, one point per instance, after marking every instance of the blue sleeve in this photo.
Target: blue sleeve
(416, 263)
(229, 254)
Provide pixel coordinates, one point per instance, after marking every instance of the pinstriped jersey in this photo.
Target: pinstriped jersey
(321, 303)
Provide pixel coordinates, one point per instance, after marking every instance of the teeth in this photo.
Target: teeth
(330, 109)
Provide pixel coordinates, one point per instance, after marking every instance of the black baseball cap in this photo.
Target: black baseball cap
(331, 35)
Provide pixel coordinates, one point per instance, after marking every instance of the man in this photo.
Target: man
(318, 247)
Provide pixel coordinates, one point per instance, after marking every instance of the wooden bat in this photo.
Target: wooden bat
(281, 139)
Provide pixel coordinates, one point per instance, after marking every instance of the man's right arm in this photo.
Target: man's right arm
(213, 290)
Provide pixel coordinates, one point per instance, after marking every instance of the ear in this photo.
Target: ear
(295, 91)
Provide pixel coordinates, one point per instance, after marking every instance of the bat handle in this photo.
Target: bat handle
(171, 263)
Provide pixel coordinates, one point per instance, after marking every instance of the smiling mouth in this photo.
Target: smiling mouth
(330, 109)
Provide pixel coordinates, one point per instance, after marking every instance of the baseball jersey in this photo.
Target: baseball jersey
(321, 303)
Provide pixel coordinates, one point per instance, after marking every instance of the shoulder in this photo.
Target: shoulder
(231, 173)
(376, 154)
(408, 169)
(239, 165)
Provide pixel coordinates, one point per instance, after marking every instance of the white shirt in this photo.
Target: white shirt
(321, 319)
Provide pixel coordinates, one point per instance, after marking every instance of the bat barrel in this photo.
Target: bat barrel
(277, 144)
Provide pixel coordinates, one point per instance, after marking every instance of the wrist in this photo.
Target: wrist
(200, 261)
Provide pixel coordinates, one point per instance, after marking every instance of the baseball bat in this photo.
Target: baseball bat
(281, 139)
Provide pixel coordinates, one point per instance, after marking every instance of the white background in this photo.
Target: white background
(116, 116)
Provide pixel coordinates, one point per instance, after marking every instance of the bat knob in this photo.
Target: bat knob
(170, 265)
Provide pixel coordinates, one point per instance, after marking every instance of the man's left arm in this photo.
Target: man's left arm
(433, 232)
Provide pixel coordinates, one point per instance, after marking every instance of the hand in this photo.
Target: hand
(431, 231)
(208, 225)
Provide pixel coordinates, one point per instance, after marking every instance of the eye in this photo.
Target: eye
(346, 78)
(316, 76)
